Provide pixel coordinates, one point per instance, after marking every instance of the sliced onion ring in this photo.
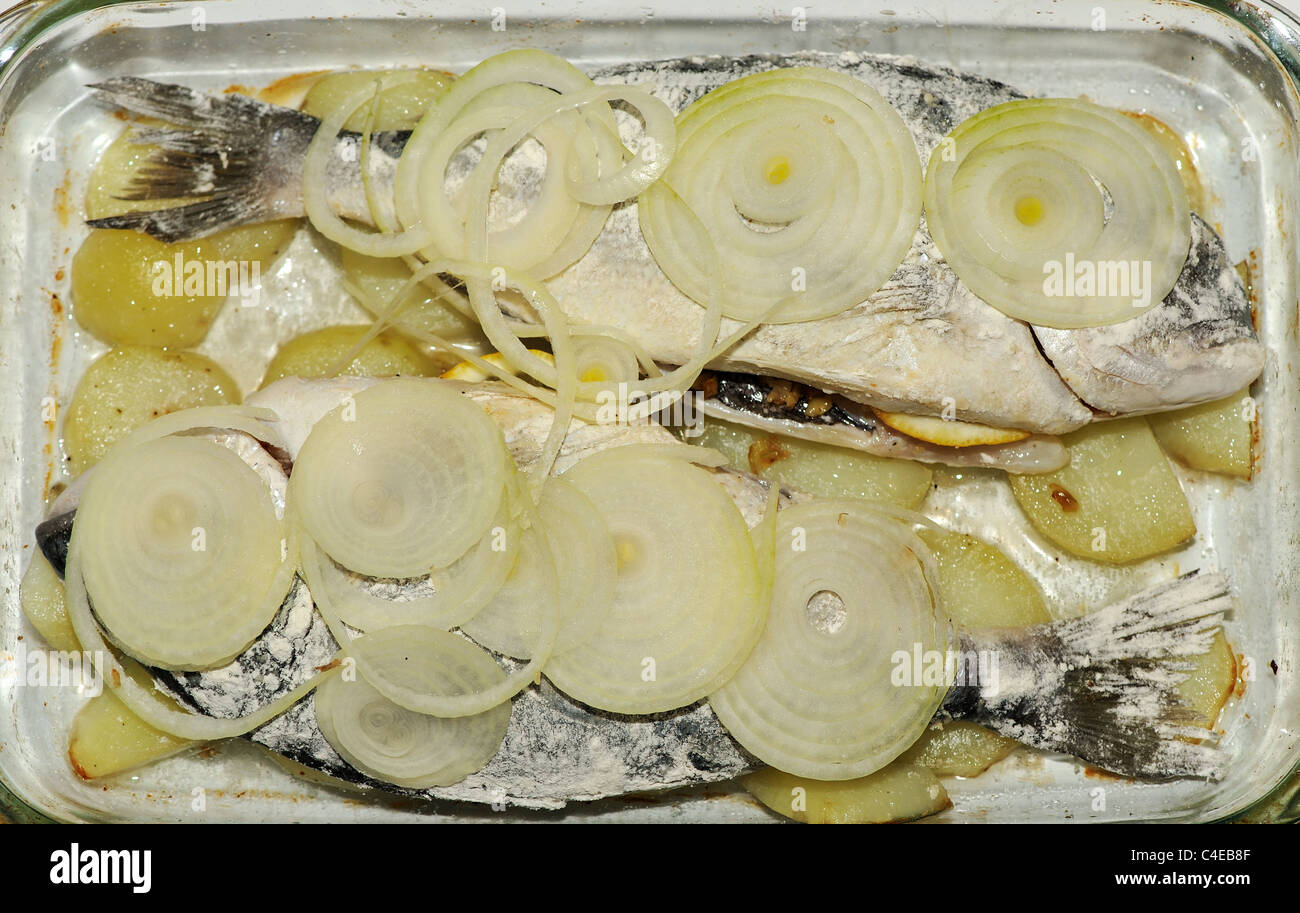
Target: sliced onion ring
(817, 698)
(556, 228)
(605, 360)
(445, 598)
(315, 182)
(632, 178)
(687, 607)
(805, 180)
(442, 674)
(512, 83)
(511, 623)
(258, 423)
(573, 572)
(1016, 198)
(394, 745)
(405, 478)
(481, 276)
(133, 684)
(183, 552)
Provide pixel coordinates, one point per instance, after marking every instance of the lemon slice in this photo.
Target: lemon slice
(948, 433)
(473, 374)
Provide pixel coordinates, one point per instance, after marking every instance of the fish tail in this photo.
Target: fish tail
(236, 154)
(1104, 687)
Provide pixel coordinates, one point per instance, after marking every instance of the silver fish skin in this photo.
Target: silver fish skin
(1100, 687)
(923, 344)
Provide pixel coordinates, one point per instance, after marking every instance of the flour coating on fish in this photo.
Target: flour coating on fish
(287, 654)
(555, 752)
(1199, 344)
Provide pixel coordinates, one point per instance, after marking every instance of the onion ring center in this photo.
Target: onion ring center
(827, 612)
(778, 169)
(1030, 209)
(375, 505)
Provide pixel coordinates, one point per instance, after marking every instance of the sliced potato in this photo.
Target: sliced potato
(948, 433)
(114, 272)
(899, 792)
(381, 279)
(107, 739)
(471, 373)
(958, 749)
(819, 469)
(44, 603)
(317, 354)
(127, 289)
(1117, 501)
(130, 385)
(1211, 682)
(981, 588)
(402, 102)
(1215, 437)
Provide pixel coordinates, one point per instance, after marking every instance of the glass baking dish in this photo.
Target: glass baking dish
(1224, 74)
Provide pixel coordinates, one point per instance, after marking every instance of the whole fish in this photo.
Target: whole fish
(1099, 687)
(923, 344)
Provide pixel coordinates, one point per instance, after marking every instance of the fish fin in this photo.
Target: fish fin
(188, 222)
(1104, 687)
(231, 151)
(186, 107)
